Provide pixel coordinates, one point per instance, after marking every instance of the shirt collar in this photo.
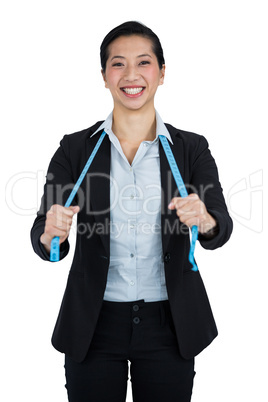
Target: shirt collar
(160, 127)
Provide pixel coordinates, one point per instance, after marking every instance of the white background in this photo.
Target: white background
(216, 85)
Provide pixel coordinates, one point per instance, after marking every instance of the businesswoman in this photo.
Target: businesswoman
(131, 294)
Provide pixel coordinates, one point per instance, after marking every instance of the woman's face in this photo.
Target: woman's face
(132, 72)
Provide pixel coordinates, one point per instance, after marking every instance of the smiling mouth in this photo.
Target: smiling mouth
(133, 91)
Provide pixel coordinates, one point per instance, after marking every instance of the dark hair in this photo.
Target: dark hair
(127, 29)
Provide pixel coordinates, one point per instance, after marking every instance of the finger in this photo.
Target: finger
(58, 215)
(190, 222)
(178, 202)
(55, 231)
(187, 208)
(75, 209)
(184, 215)
(55, 216)
(171, 205)
(59, 209)
(57, 223)
(187, 200)
(193, 196)
(198, 219)
(58, 219)
(197, 206)
(174, 202)
(185, 218)
(63, 225)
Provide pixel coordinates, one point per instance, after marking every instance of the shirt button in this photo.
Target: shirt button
(132, 196)
(132, 283)
(136, 307)
(136, 320)
(131, 255)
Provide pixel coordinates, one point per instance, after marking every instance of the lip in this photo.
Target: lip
(133, 87)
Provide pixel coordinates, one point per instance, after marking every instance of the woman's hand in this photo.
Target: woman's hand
(58, 223)
(192, 211)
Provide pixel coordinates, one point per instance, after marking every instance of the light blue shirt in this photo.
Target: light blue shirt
(136, 269)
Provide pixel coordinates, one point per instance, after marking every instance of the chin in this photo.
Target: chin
(136, 106)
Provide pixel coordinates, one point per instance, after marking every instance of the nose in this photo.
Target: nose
(131, 73)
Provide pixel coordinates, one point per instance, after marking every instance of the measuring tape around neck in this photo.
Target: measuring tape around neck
(183, 192)
(55, 243)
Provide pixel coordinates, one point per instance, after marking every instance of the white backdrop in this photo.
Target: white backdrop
(216, 85)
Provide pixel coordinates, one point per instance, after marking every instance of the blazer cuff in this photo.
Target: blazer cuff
(64, 249)
(210, 234)
(222, 233)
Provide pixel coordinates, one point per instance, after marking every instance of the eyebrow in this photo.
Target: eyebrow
(122, 57)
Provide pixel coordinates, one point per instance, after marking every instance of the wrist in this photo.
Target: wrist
(45, 244)
(211, 231)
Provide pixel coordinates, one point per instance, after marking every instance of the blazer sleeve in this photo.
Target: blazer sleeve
(205, 179)
(59, 182)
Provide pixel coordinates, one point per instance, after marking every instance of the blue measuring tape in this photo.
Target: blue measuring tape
(183, 192)
(55, 243)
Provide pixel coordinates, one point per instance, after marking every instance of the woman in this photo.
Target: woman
(131, 293)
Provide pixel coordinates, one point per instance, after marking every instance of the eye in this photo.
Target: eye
(117, 64)
(144, 62)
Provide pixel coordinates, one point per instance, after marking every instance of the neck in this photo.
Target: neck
(134, 126)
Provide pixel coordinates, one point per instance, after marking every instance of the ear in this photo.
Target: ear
(162, 75)
(104, 78)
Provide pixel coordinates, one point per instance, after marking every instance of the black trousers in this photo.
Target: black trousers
(142, 334)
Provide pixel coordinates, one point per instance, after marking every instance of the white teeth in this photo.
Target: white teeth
(132, 91)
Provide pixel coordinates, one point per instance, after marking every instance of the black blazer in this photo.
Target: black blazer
(194, 323)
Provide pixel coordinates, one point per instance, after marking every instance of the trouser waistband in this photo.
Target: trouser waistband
(139, 308)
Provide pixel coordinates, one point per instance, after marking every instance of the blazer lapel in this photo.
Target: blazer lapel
(169, 219)
(98, 183)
